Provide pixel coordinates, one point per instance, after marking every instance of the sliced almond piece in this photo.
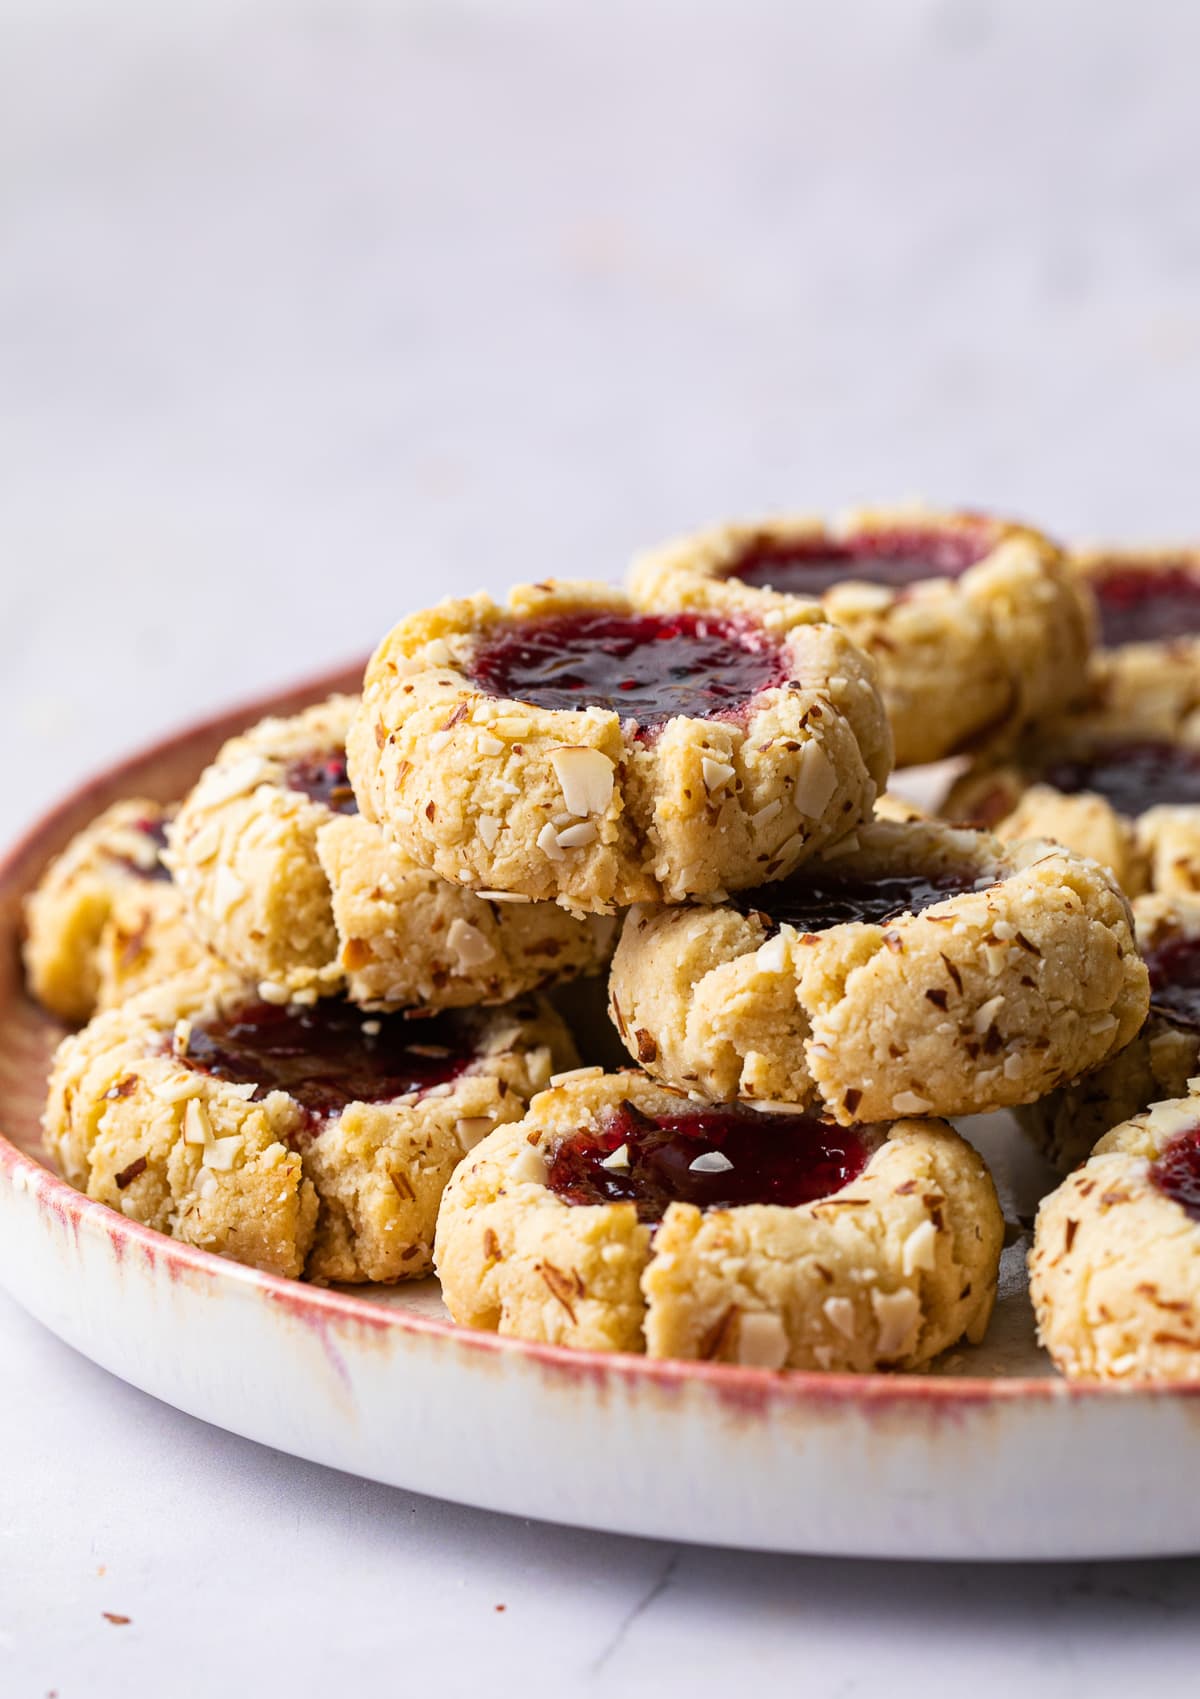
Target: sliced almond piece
(585, 777)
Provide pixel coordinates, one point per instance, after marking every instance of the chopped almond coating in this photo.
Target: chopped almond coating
(885, 1273)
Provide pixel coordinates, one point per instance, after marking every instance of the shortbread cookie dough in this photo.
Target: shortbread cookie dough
(1158, 1063)
(244, 847)
(1106, 786)
(408, 937)
(921, 970)
(1148, 661)
(294, 1137)
(978, 627)
(106, 919)
(570, 745)
(1115, 1265)
(293, 888)
(619, 1216)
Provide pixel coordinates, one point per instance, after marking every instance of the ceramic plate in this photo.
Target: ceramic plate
(991, 1457)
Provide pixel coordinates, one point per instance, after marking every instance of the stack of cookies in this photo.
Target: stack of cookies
(326, 1027)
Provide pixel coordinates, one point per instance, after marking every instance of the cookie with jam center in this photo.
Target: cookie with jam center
(1148, 657)
(297, 1137)
(916, 969)
(977, 626)
(1154, 1066)
(1111, 785)
(577, 746)
(291, 886)
(621, 1216)
(1114, 1271)
(105, 919)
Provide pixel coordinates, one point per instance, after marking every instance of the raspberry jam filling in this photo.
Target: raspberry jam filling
(1177, 1171)
(1147, 606)
(645, 667)
(322, 778)
(714, 1158)
(1131, 776)
(331, 1054)
(1175, 980)
(815, 901)
(808, 566)
(155, 833)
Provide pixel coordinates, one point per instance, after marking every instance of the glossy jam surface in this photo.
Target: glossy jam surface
(322, 778)
(1177, 1171)
(1132, 776)
(645, 667)
(814, 901)
(332, 1054)
(156, 832)
(1175, 980)
(780, 1159)
(1147, 605)
(897, 559)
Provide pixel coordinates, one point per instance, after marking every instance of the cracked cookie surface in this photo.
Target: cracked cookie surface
(573, 746)
(978, 627)
(1154, 1066)
(302, 1138)
(1115, 1265)
(592, 1223)
(105, 919)
(293, 887)
(920, 969)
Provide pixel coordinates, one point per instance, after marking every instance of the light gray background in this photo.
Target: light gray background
(311, 312)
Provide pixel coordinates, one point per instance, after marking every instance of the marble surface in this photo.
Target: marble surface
(311, 311)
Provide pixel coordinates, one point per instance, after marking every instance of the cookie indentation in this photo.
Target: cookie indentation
(1177, 1171)
(1175, 980)
(713, 1158)
(1147, 605)
(815, 901)
(1132, 776)
(322, 777)
(645, 667)
(808, 566)
(331, 1054)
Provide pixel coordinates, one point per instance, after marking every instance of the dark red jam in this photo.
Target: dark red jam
(645, 667)
(1177, 1171)
(1175, 980)
(1132, 776)
(322, 778)
(743, 1157)
(331, 1054)
(813, 901)
(1147, 605)
(809, 566)
(155, 832)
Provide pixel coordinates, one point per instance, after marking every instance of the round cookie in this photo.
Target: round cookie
(621, 1216)
(1157, 1064)
(106, 920)
(1123, 791)
(977, 626)
(1148, 605)
(243, 848)
(1114, 1271)
(571, 745)
(292, 1137)
(917, 969)
(292, 887)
